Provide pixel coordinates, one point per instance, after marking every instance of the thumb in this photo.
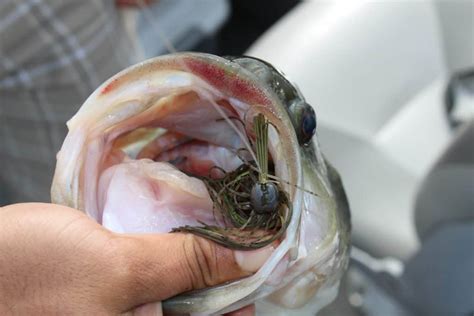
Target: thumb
(163, 265)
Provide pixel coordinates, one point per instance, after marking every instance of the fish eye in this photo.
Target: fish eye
(308, 124)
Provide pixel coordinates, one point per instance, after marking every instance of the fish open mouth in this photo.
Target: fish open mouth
(184, 159)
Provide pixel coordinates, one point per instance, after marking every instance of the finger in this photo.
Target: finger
(248, 310)
(164, 265)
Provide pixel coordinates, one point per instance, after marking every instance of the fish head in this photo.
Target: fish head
(126, 143)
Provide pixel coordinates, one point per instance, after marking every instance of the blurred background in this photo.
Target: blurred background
(392, 83)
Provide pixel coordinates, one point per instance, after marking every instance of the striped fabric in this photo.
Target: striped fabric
(53, 54)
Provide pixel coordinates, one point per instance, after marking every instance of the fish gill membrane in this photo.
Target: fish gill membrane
(171, 144)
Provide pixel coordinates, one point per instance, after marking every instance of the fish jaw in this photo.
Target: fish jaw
(323, 256)
(311, 281)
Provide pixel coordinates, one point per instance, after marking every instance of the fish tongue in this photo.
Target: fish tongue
(143, 196)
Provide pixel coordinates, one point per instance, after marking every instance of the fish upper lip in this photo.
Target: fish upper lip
(287, 92)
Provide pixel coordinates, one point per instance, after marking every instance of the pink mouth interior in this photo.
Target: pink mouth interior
(154, 188)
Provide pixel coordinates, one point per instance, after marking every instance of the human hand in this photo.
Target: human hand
(55, 259)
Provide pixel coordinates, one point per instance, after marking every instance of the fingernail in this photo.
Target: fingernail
(252, 260)
(150, 309)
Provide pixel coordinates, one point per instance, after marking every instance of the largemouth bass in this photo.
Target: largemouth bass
(140, 148)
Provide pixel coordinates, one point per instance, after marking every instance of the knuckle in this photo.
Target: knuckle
(201, 259)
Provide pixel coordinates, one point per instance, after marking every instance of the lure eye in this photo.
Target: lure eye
(264, 197)
(308, 125)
